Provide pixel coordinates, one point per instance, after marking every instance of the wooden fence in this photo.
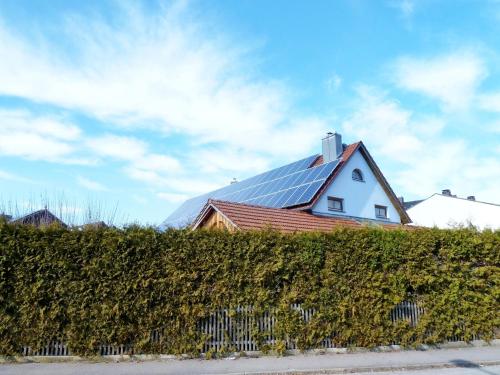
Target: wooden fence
(236, 330)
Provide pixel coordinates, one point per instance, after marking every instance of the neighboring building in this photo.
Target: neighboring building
(449, 211)
(234, 216)
(5, 217)
(342, 184)
(40, 218)
(44, 217)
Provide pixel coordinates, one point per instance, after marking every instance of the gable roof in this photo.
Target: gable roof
(190, 209)
(410, 204)
(346, 155)
(250, 217)
(40, 218)
(445, 211)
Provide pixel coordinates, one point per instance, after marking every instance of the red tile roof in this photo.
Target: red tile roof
(349, 150)
(250, 217)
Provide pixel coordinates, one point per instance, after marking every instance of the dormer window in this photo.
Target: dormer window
(357, 175)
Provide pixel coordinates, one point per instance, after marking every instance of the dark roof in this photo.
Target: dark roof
(250, 217)
(410, 204)
(6, 217)
(40, 218)
(344, 158)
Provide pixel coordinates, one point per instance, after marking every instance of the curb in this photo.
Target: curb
(249, 354)
(361, 370)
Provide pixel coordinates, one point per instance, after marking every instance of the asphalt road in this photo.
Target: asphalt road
(475, 360)
(483, 370)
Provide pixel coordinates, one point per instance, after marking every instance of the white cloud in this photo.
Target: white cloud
(172, 197)
(489, 102)
(117, 147)
(423, 160)
(377, 120)
(166, 70)
(91, 184)
(4, 175)
(25, 135)
(157, 162)
(213, 160)
(141, 164)
(450, 78)
(178, 184)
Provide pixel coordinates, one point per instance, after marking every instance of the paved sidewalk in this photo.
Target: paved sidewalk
(467, 358)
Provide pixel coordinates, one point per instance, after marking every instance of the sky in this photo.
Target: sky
(129, 108)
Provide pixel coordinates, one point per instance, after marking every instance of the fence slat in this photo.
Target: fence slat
(221, 330)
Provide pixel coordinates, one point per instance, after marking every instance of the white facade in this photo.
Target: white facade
(444, 211)
(359, 197)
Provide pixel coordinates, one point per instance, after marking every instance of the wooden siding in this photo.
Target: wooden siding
(216, 220)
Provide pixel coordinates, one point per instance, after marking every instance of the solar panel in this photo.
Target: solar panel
(287, 186)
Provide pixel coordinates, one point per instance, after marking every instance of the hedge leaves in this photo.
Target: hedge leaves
(114, 286)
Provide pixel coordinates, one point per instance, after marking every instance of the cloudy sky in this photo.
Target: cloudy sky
(143, 105)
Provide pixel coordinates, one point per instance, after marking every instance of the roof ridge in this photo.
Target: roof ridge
(277, 209)
(465, 199)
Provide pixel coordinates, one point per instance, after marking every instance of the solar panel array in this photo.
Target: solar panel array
(287, 186)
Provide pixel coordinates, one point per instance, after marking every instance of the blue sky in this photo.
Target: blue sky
(140, 105)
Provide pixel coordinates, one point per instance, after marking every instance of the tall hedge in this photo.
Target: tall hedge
(114, 286)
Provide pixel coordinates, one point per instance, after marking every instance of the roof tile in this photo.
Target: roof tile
(250, 217)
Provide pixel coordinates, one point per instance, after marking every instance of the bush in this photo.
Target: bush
(114, 286)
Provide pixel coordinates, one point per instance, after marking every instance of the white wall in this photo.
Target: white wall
(449, 212)
(360, 198)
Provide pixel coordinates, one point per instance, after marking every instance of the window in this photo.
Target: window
(335, 204)
(357, 175)
(381, 212)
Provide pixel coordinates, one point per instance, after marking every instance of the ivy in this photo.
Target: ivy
(115, 286)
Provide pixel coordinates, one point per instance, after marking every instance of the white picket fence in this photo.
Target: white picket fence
(225, 329)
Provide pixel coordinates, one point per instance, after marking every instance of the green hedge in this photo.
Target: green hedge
(116, 285)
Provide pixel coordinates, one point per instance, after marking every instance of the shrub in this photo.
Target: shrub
(114, 286)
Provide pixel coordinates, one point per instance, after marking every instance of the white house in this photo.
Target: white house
(449, 211)
(342, 182)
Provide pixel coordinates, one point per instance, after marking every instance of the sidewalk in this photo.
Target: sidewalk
(332, 363)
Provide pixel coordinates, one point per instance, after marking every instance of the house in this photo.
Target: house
(446, 210)
(240, 216)
(40, 218)
(341, 186)
(5, 217)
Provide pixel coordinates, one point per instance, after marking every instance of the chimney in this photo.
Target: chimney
(233, 181)
(401, 200)
(446, 192)
(471, 198)
(332, 147)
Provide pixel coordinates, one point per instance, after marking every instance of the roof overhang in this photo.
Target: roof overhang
(205, 213)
